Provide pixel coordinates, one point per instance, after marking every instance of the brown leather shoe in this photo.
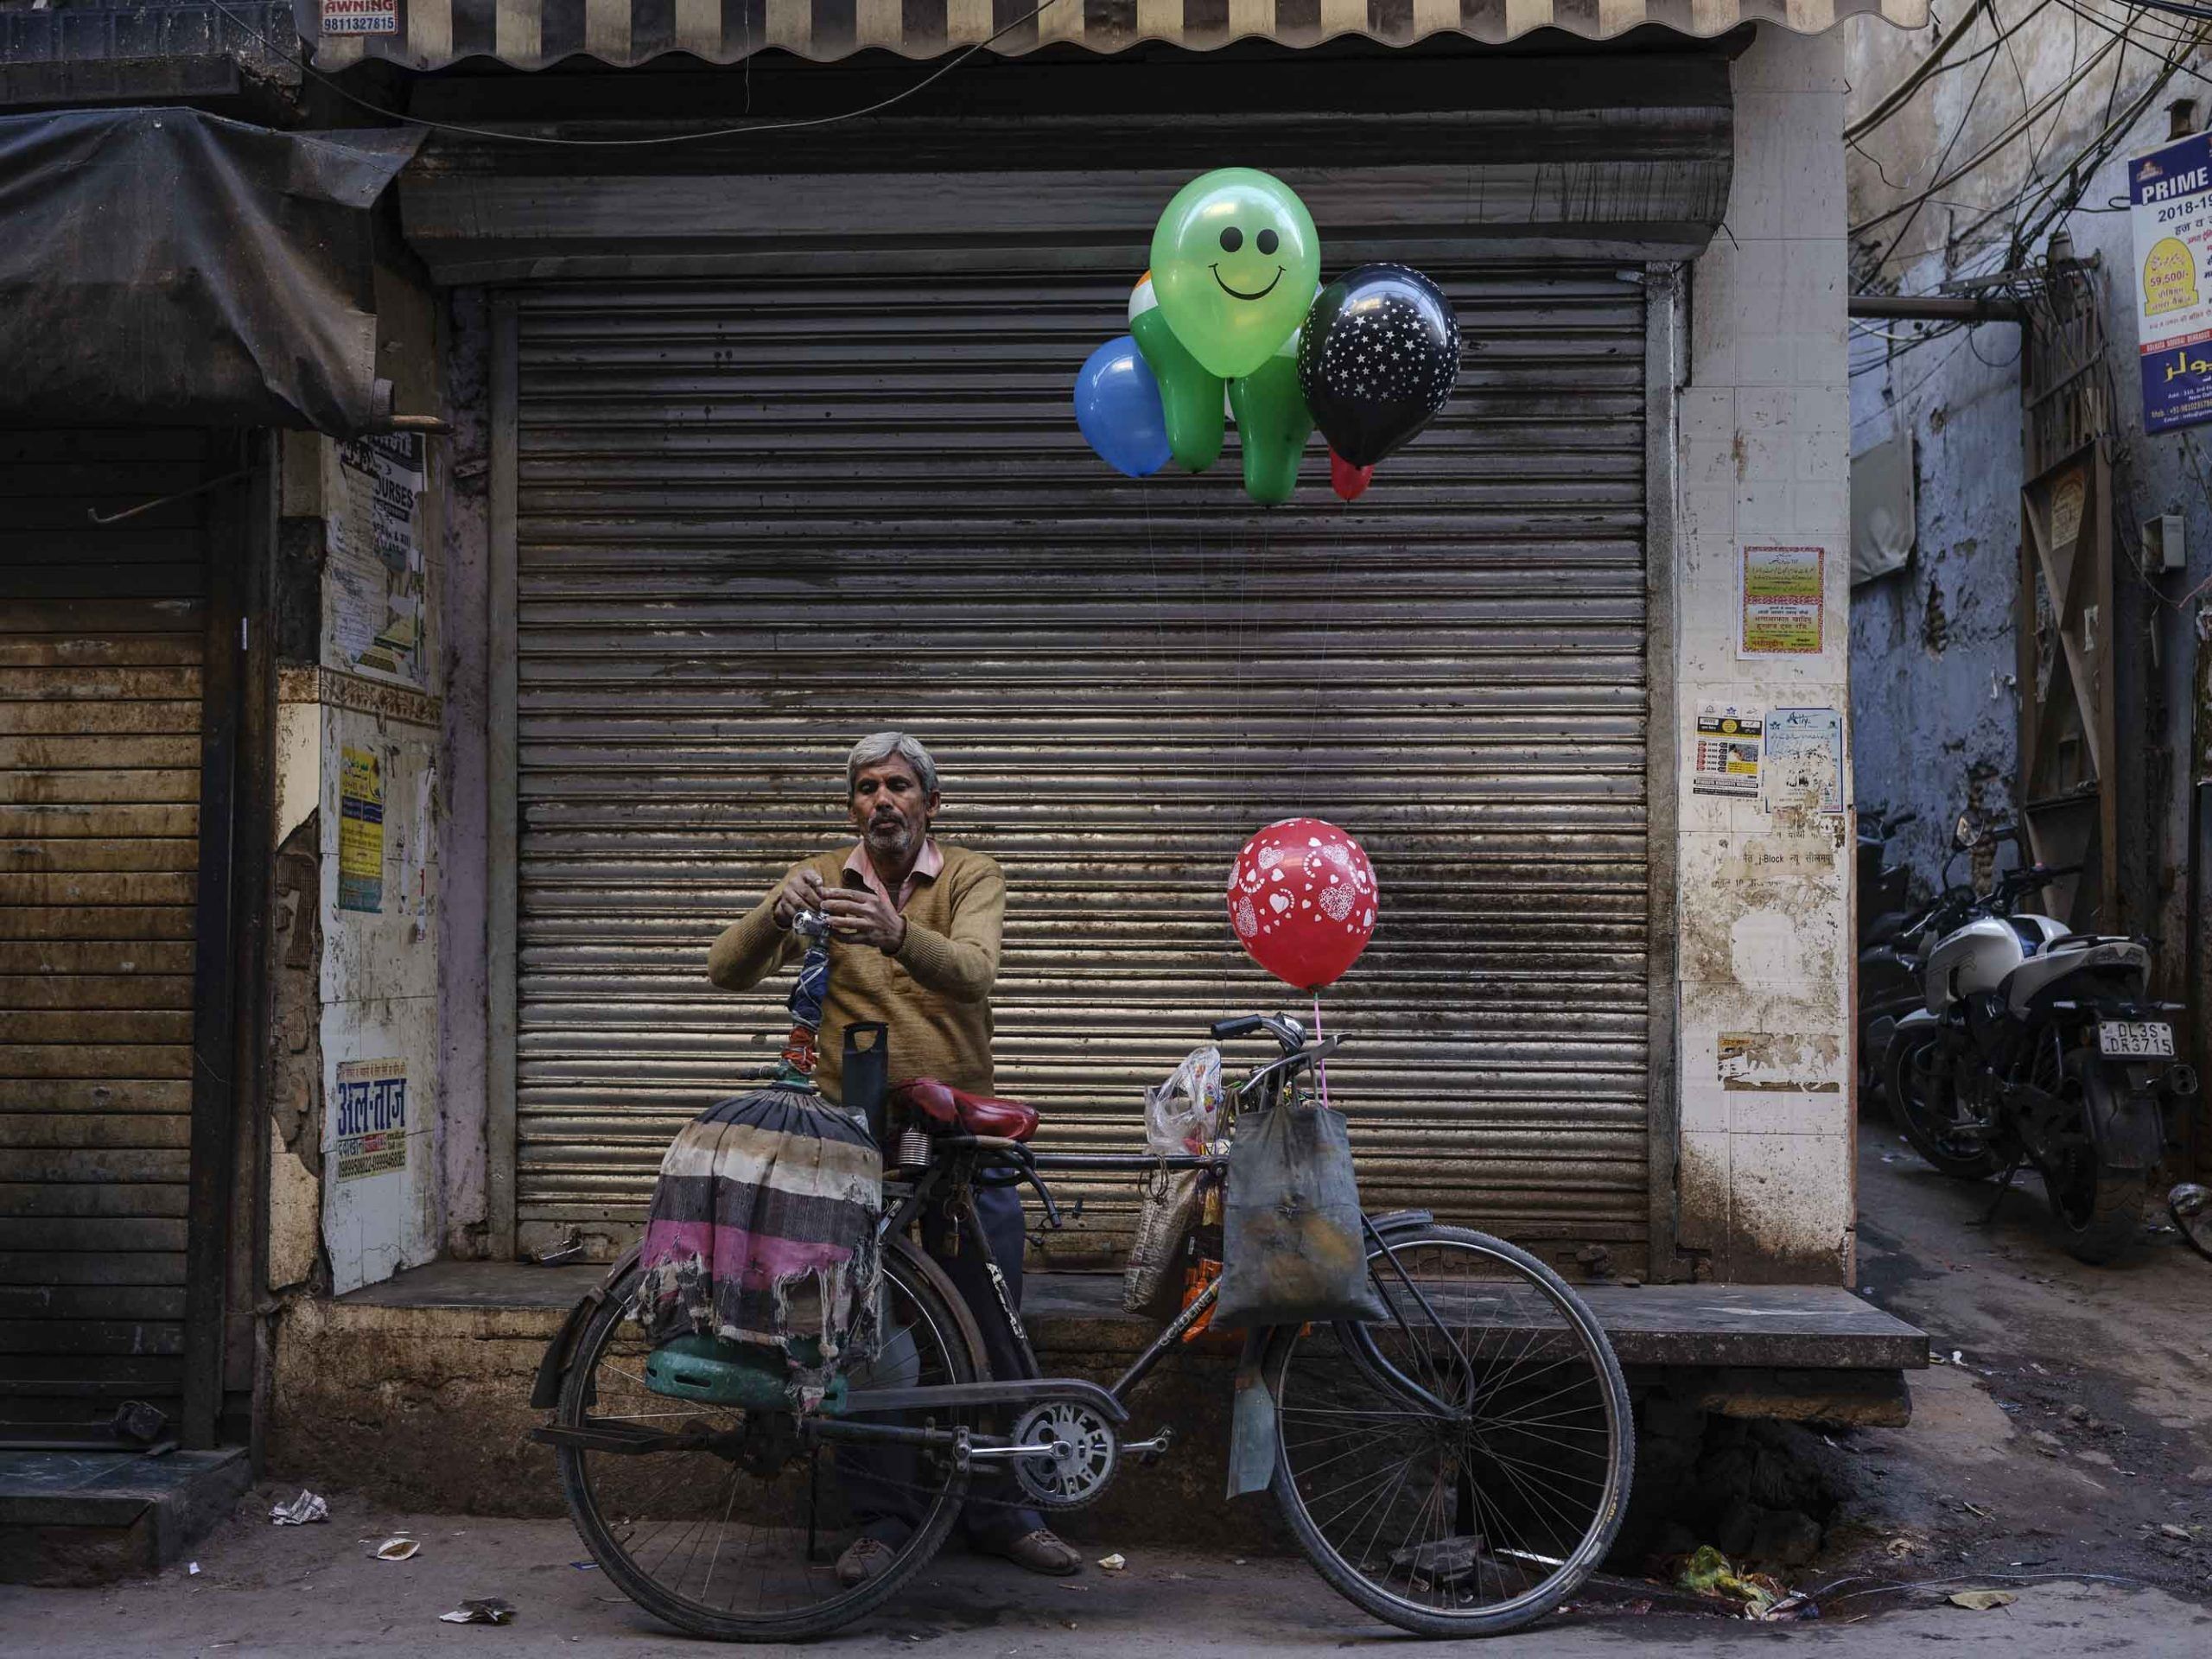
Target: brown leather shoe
(1041, 1552)
(864, 1559)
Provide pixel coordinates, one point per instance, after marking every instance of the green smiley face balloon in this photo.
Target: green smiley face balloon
(1234, 262)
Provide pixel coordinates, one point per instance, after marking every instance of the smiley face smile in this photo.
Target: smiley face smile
(1239, 294)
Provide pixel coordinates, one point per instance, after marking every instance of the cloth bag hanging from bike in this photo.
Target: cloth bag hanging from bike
(1293, 1248)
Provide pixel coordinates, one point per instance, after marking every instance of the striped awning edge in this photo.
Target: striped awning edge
(530, 34)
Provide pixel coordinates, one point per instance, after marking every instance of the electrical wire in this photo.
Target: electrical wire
(2084, 167)
(2020, 126)
(1926, 70)
(749, 130)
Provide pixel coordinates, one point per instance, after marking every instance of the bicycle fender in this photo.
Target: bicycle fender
(545, 1387)
(1252, 1425)
(1398, 1221)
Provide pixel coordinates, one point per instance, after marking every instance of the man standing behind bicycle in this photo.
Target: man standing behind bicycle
(914, 942)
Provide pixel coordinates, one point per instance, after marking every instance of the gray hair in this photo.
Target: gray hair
(879, 747)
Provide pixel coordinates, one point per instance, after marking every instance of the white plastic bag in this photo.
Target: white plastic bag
(1183, 1114)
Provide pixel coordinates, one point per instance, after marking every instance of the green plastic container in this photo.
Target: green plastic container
(717, 1372)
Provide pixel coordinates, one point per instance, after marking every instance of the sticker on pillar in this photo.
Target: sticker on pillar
(1781, 600)
(360, 831)
(1725, 755)
(371, 1119)
(1804, 760)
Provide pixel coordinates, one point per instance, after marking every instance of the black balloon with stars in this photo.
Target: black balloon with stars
(1376, 359)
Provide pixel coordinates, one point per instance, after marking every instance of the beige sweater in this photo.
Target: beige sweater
(935, 995)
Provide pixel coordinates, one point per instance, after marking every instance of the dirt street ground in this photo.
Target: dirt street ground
(2071, 1428)
(2065, 1457)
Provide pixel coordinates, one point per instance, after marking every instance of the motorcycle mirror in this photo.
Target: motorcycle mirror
(1963, 834)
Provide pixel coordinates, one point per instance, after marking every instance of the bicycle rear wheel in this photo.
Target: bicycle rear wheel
(744, 1547)
(1462, 1474)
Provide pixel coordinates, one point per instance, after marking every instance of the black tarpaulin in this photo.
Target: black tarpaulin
(164, 265)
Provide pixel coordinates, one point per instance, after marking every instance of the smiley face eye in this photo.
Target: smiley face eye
(1268, 241)
(1231, 239)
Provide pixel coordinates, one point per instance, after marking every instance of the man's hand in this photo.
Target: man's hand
(863, 916)
(802, 890)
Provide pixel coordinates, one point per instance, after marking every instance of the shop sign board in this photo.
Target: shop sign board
(2170, 198)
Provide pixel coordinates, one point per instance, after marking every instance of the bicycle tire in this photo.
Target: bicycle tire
(1377, 1596)
(925, 1287)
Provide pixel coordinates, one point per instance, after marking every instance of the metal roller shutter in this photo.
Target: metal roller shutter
(100, 651)
(755, 521)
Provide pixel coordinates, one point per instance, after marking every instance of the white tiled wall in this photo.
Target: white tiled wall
(1767, 1174)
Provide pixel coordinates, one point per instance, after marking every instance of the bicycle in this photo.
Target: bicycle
(1459, 1469)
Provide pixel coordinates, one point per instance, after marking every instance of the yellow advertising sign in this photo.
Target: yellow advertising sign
(2168, 276)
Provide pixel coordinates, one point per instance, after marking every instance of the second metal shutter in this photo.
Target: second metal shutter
(100, 714)
(756, 521)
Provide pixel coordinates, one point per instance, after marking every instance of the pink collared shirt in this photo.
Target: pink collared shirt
(930, 863)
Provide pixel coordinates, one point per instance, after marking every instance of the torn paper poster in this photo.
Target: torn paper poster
(1725, 754)
(1780, 1062)
(1804, 758)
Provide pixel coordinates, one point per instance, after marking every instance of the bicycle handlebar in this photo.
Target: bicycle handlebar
(1289, 1035)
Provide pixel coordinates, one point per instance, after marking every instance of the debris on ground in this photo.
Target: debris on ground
(397, 1549)
(1764, 1598)
(1115, 1562)
(306, 1508)
(191, 1570)
(1981, 1601)
(488, 1610)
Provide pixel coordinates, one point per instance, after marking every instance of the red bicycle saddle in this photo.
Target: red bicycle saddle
(942, 1103)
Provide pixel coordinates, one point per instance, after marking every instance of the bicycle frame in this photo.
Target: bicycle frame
(958, 1170)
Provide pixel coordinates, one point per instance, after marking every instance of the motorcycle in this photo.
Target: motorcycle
(1885, 905)
(2036, 1044)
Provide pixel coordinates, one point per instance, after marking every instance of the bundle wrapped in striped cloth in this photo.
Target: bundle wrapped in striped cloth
(760, 1258)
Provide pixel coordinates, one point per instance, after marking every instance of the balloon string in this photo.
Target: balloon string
(1320, 1067)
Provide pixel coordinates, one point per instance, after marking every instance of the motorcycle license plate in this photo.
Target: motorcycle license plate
(2136, 1039)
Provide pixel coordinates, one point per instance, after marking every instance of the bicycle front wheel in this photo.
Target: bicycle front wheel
(1462, 1468)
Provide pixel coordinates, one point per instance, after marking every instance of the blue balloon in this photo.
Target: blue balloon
(1117, 406)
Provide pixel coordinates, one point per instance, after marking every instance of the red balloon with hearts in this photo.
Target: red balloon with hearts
(1301, 900)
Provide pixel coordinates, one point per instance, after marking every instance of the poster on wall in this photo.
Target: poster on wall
(376, 555)
(371, 1129)
(1725, 752)
(1804, 757)
(360, 831)
(2170, 207)
(1781, 600)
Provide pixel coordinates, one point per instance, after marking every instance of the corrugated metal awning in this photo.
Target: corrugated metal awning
(530, 34)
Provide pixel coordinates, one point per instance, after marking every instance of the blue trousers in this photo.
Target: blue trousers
(882, 1482)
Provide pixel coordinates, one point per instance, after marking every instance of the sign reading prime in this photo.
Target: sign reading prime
(2170, 190)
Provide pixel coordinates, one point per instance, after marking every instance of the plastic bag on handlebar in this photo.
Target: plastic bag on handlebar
(1294, 1249)
(1183, 1113)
